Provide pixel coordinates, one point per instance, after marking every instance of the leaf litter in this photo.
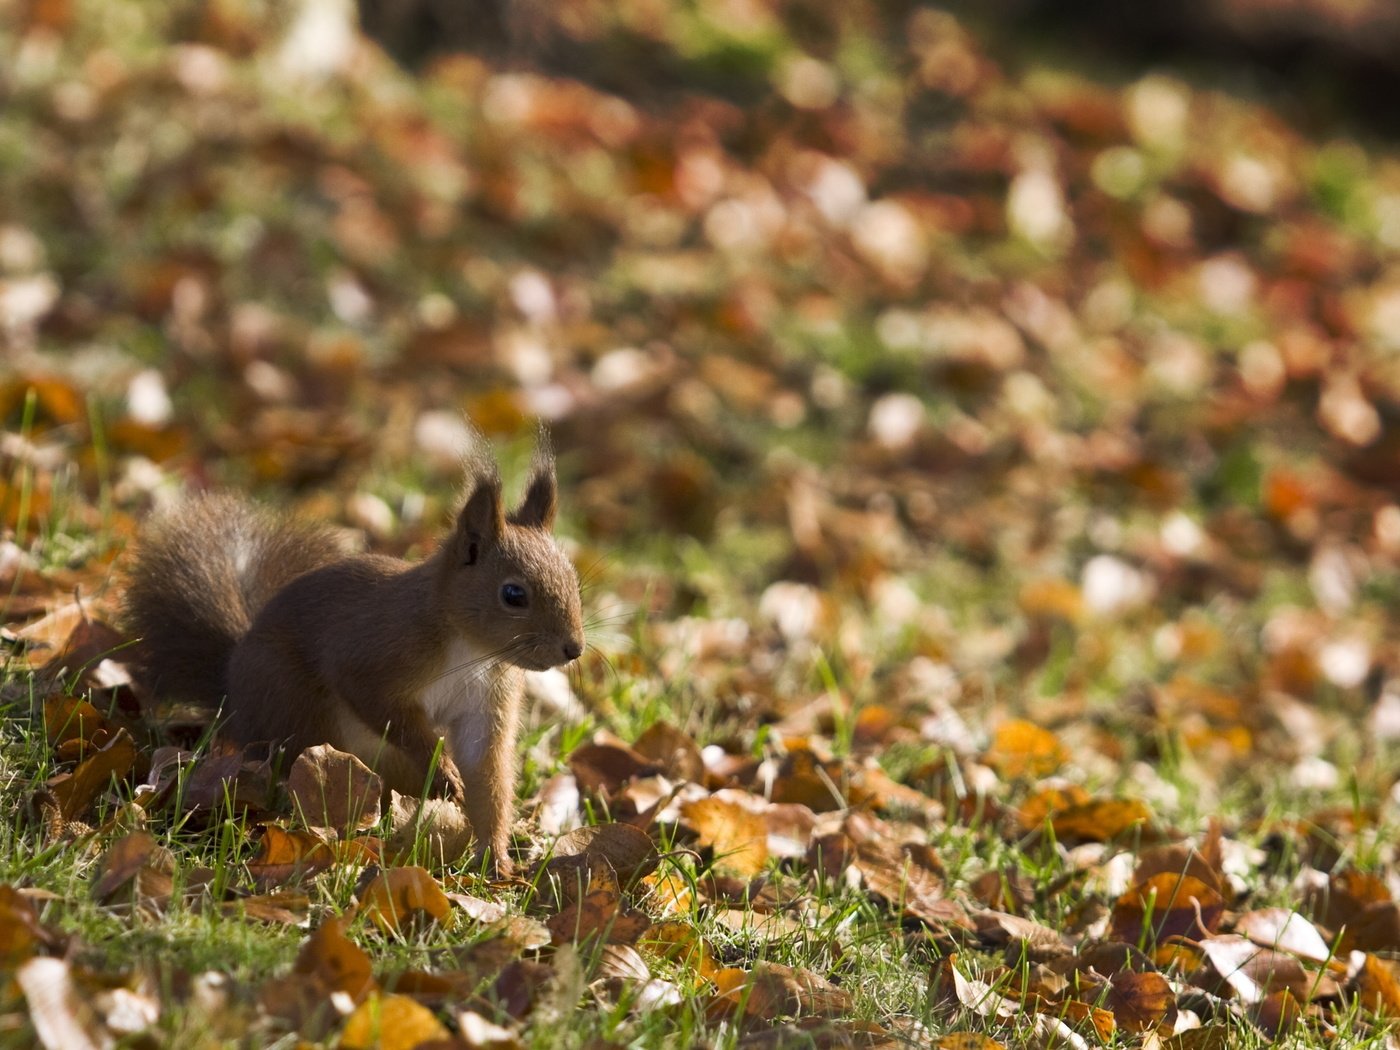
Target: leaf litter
(997, 469)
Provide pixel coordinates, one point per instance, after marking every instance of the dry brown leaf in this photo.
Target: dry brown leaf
(602, 768)
(906, 879)
(230, 776)
(1037, 809)
(734, 829)
(1054, 597)
(77, 791)
(22, 935)
(286, 908)
(1180, 858)
(398, 898)
(122, 868)
(998, 929)
(1174, 905)
(1207, 1037)
(1082, 1015)
(523, 932)
(336, 963)
(1253, 973)
(521, 984)
(682, 944)
(332, 789)
(803, 780)
(62, 1016)
(600, 912)
(672, 750)
(478, 909)
(1278, 1013)
(436, 826)
(771, 990)
(629, 850)
(1141, 1002)
(391, 1022)
(70, 718)
(955, 991)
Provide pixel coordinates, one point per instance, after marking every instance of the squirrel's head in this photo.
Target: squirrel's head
(511, 589)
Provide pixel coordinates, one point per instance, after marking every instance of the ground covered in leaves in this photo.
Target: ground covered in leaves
(984, 476)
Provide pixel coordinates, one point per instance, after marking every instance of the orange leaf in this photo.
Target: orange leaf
(399, 897)
(1100, 820)
(70, 718)
(1023, 750)
(284, 855)
(77, 791)
(335, 962)
(737, 833)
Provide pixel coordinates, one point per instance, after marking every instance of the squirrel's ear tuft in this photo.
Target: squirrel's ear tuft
(481, 519)
(541, 498)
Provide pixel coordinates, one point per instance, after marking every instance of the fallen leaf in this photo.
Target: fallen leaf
(77, 791)
(1100, 820)
(434, 827)
(629, 850)
(1141, 1002)
(600, 912)
(602, 768)
(70, 718)
(229, 777)
(771, 990)
(391, 1022)
(22, 935)
(284, 855)
(400, 897)
(478, 1033)
(1165, 906)
(336, 963)
(1286, 931)
(123, 865)
(803, 780)
(1376, 984)
(672, 750)
(284, 909)
(332, 789)
(1023, 750)
(733, 829)
(968, 1041)
(62, 1016)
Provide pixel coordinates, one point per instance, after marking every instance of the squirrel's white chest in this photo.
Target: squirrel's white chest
(461, 685)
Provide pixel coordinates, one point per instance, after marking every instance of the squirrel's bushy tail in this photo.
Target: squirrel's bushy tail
(199, 574)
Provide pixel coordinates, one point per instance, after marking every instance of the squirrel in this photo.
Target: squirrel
(304, 643)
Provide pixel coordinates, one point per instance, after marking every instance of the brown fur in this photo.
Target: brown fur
(311, 645)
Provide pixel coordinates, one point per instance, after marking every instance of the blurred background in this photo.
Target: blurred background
(985, 357)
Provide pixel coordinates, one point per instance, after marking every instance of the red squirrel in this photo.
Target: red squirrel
(303, 643)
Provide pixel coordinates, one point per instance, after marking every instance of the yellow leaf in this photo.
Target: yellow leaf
(391, 1022)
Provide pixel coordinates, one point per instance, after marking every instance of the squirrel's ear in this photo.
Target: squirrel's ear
(480, 522)
(541, 498)
(481, 519)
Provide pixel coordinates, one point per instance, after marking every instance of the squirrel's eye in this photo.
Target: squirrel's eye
(514, 595)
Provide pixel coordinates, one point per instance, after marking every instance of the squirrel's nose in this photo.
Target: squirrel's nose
(572, 649)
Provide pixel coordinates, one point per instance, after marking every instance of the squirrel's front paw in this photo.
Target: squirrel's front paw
(447, 783)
